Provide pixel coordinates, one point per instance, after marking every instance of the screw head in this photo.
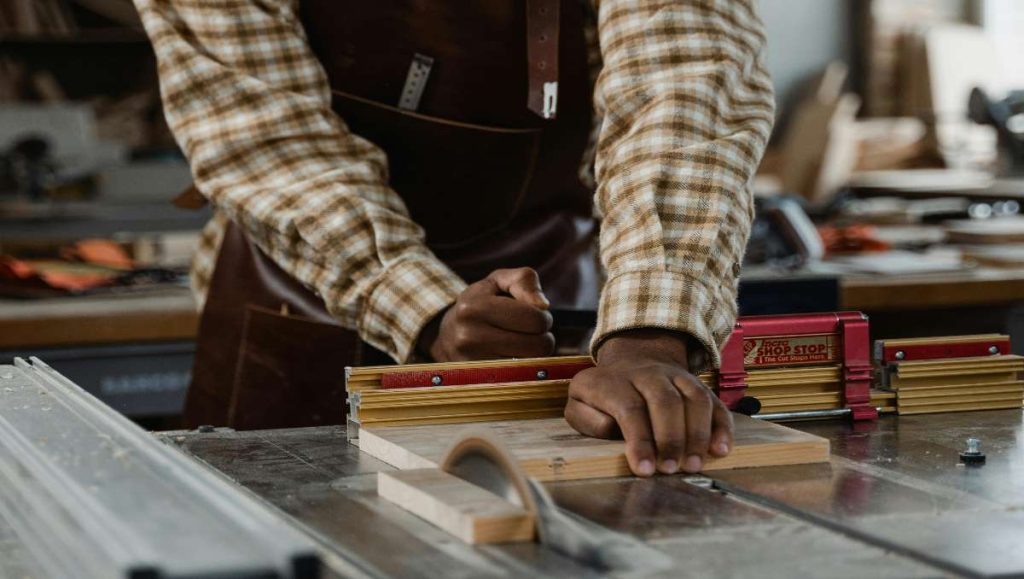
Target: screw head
(542, 374)
(900, 355)
(436, 380)
(993, 349)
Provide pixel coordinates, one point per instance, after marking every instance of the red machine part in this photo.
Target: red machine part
(988, 347)
(845, 333)
(483, 375)
(849, 328)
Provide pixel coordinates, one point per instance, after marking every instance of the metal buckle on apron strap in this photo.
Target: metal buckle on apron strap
(542, 56)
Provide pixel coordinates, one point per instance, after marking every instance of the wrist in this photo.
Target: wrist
(647, 344)
(428, 336)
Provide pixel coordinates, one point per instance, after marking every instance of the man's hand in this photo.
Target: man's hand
(502, 316)
(641, 390)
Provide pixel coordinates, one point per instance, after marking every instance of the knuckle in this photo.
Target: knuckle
(582, 382)
(526, 277)
(664, 397)
(464, 309)
(697, 442)
(462, 337)
(629, 407)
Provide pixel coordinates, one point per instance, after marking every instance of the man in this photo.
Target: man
(385, 153)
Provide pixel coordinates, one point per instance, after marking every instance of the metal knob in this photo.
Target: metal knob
(973, 455)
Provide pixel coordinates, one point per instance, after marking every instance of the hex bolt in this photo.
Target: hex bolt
(436, 380)
(900, 355)
(993, 350)
(542, 374)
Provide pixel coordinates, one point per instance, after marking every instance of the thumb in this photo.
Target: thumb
(523, 284)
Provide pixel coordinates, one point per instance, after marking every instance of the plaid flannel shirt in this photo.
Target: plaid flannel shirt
(683, 110)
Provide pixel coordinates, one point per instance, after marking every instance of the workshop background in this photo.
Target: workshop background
(893, 184)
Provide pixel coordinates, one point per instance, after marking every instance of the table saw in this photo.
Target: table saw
(894, 501)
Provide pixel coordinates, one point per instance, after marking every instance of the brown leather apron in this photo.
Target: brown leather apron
(492, 183)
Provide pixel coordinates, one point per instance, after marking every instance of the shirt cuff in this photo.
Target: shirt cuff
(406, 297)
(671, 301)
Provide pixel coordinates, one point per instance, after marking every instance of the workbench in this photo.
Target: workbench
(133, 350)
(893, 502)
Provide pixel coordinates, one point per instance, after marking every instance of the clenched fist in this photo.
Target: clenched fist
(642, 390)
(502, 316)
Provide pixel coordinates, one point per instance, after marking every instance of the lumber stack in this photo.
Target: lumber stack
(934, 374)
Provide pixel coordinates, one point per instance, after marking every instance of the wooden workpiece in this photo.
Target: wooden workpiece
(549, 449)
(460, 508)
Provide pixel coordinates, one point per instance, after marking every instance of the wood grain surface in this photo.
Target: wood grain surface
(549, 449)
(459, 507)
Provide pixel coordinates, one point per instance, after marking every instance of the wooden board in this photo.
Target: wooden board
(549, 449)
(460, 508)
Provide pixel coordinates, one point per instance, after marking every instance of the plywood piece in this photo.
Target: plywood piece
(465, 510)
(549, 449)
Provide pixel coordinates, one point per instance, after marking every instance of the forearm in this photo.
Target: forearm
(250, 106)
(688, 108)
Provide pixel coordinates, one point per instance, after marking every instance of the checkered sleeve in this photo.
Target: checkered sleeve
(250, 105)
(687, 108)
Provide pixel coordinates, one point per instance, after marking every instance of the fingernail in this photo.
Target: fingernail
(693, 464)
(645, 468)
(723, 448)
(669, 466)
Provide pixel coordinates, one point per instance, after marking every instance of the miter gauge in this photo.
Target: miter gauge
(481, 460)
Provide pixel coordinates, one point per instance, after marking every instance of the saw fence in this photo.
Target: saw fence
(794, 366)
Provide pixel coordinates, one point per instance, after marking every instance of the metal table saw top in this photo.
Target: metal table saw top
(893, 502)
